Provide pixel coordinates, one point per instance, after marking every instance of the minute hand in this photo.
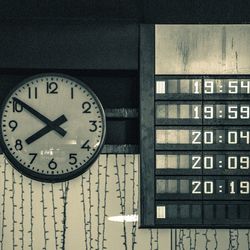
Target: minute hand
(43, 118)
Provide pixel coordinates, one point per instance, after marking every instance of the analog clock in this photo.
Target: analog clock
(52, 127)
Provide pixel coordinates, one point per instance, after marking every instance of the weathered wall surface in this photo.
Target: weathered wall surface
(202, 49)
(76, 214)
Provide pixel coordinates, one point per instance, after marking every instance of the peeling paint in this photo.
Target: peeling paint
(183, 48)
(236, 62)
(232, 44)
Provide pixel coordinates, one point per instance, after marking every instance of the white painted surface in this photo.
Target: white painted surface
(202, 49)
(109, 188)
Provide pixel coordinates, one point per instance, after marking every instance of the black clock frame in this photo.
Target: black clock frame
(43, 177)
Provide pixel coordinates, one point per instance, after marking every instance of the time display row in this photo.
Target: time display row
(198, 86)
(202, 138)
(235, 162)
(194, 212)
(206, 187)
(223, 113)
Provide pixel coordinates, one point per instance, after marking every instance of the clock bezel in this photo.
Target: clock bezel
(48, 177)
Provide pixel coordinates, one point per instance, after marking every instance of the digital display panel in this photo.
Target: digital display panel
(196, 187)
(201, 151)
(210, 163)
(226, 113)
(203, 88)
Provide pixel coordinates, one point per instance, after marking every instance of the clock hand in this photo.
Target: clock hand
(43, 118)
(60, 120)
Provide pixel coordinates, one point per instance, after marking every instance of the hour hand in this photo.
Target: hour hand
(41, 117)
(60, 120)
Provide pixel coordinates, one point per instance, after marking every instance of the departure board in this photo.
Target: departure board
(201, 151)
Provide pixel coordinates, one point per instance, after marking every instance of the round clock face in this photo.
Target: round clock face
(52, 127)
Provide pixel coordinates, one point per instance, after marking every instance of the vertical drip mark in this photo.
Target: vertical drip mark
(196, 232)
(22, 213)
(236, 62)
(3, 204)
(90, 209)
(157, 239)
(192, 236)
(101, 205)
(151, 239)
(224, 48)
(98, 203)
(230, 240)
(62, 213)
(233, 239)
(54, 215)
(122, 199)
(236, 56)
(13, 208)
(44, 219)
(195, 237)
(181, 241)
(134, 203)
(105, 203)
(237, 239)
(65, 190)
(175, 239)
(171, 239)
(206, 237)
(31, 216)
(215, 239)
(84, 214)
(248, 238)
(190, 239)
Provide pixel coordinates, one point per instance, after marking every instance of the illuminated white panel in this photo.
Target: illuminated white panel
(160, 87)
(161, 212)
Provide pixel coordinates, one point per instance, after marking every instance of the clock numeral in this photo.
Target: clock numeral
(30, 93)
(33, 158)
(52, 88)
(72, 93)
(18, 145)
(86, 145)
(72, 159)
(52, 164)
(13, 125)
(86, 106)
(17, 107)
(94, 128)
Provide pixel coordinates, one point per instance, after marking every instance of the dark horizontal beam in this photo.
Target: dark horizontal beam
(68, 45)
(196, 12)
(90, 9)
(137, 11)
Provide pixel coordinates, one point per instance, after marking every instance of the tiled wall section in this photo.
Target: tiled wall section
(79, 214)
